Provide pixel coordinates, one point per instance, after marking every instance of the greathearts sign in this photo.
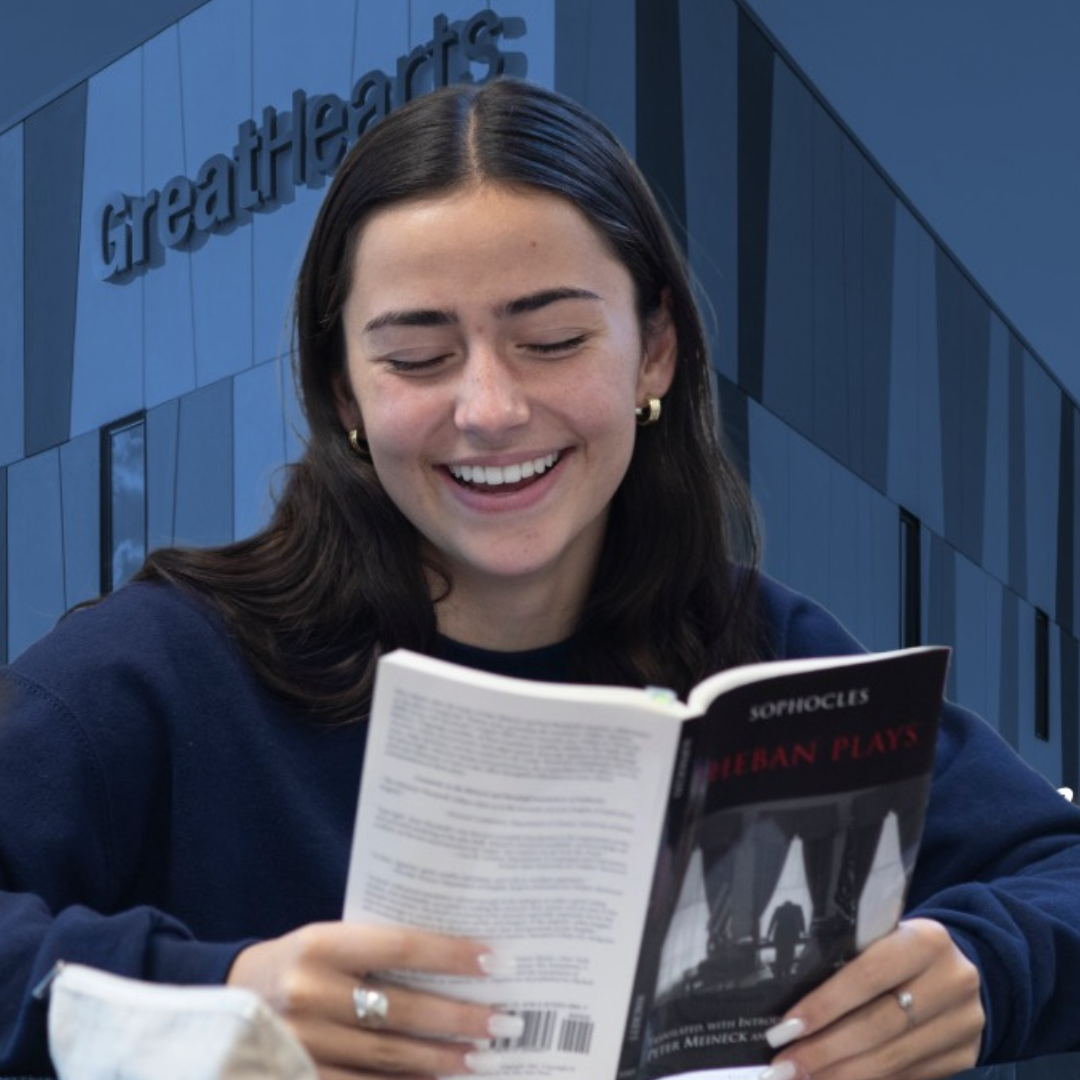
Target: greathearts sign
(300, 146)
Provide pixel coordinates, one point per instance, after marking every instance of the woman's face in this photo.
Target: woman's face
(494, 361)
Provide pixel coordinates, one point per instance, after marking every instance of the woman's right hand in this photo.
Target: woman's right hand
(308, 977)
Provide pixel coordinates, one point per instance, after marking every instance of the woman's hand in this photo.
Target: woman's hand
(908, 1008)
(309, 975)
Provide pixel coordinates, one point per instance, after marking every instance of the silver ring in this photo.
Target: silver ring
(370, 1005)
(906, 1000)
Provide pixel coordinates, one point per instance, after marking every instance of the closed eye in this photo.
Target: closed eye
(411, 367)
(553, 348)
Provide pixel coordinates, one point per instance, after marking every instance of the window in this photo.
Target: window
(1042, 675)
(910, 579)
(123, 500)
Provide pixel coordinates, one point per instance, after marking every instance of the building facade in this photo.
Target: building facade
(914, 462)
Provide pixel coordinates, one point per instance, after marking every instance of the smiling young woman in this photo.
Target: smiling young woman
(491, 284)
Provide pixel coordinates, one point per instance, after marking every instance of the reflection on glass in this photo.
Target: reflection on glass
(126, 502)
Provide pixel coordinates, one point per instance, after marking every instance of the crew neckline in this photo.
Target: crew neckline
(548, 663)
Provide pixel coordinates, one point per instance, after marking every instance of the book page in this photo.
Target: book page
(530, 823)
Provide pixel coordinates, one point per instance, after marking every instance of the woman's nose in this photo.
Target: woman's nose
(491, 398)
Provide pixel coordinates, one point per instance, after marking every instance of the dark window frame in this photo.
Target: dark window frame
(910, 629)
(108, 435)
(1042, 675)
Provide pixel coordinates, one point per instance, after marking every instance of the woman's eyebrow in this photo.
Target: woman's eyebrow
(534, 301)
(411, 317)
(521, 305)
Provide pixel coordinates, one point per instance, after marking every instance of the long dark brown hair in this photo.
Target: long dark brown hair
(337, 576)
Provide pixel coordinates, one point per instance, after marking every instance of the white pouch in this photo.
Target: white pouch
(105, 1027)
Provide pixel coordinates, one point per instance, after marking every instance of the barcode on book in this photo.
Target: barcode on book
(575, 1036)
(539, 1030)
(575, 1032)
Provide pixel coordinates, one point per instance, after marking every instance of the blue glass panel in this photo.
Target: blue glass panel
(939, 570)
(710, 84)
(963, 337)
(169, 361)
(296, 427)
(538, 44)
(864, 550)
(597, 62)
(80, 479)
(878, 526)
(868, 277)
(975, 658)
(1008, 677)
(769, 484)
(380, 35)
(838, 521)
(903, 473)
(35, 550)
(788, 386)
(126, 502)
(108, 375)
(833, 408)
(313, 54)
(53, 199)
(259, 445)
(927, 420)
(215, 67)
(204, 469)
(1073, 480)
(914, 471)
(162, 436)
(11, 295)
(995, 557)
(809, 479)
(3, 568)
(1042, 424)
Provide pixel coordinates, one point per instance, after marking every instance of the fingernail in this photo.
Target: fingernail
(492, 964)
(782, 1070)
(506, 1026)
(483, 1061)
(783, 1033)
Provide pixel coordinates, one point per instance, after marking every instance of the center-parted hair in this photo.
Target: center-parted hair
(337, 576)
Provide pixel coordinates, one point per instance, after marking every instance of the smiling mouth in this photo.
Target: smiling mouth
(502, 476)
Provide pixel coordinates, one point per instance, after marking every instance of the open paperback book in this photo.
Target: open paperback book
(663, 879)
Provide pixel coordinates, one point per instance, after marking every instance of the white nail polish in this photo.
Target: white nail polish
(506, 1026)
(492, 964)
(783, 1033)
(484, 1062)
(782, 1070)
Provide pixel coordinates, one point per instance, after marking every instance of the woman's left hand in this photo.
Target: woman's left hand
(907, 1008)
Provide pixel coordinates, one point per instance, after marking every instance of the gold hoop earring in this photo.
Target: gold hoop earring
(359, 446)
(649, 413)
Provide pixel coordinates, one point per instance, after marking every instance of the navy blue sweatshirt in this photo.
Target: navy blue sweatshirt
(159, 810)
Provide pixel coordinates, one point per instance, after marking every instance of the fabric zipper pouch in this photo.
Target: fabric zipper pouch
(106, 1027)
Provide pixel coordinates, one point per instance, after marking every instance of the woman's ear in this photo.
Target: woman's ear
(660, 353)
(345, 402)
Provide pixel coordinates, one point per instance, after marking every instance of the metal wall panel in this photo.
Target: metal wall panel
(109, 341)
(12, 389)
(168, 306)
(35, 560)
(53, 169)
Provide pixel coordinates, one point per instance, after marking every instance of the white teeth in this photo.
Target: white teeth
(493, 475)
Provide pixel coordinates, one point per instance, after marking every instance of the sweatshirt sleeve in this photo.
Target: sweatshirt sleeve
(77, 805)
(999, 864)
